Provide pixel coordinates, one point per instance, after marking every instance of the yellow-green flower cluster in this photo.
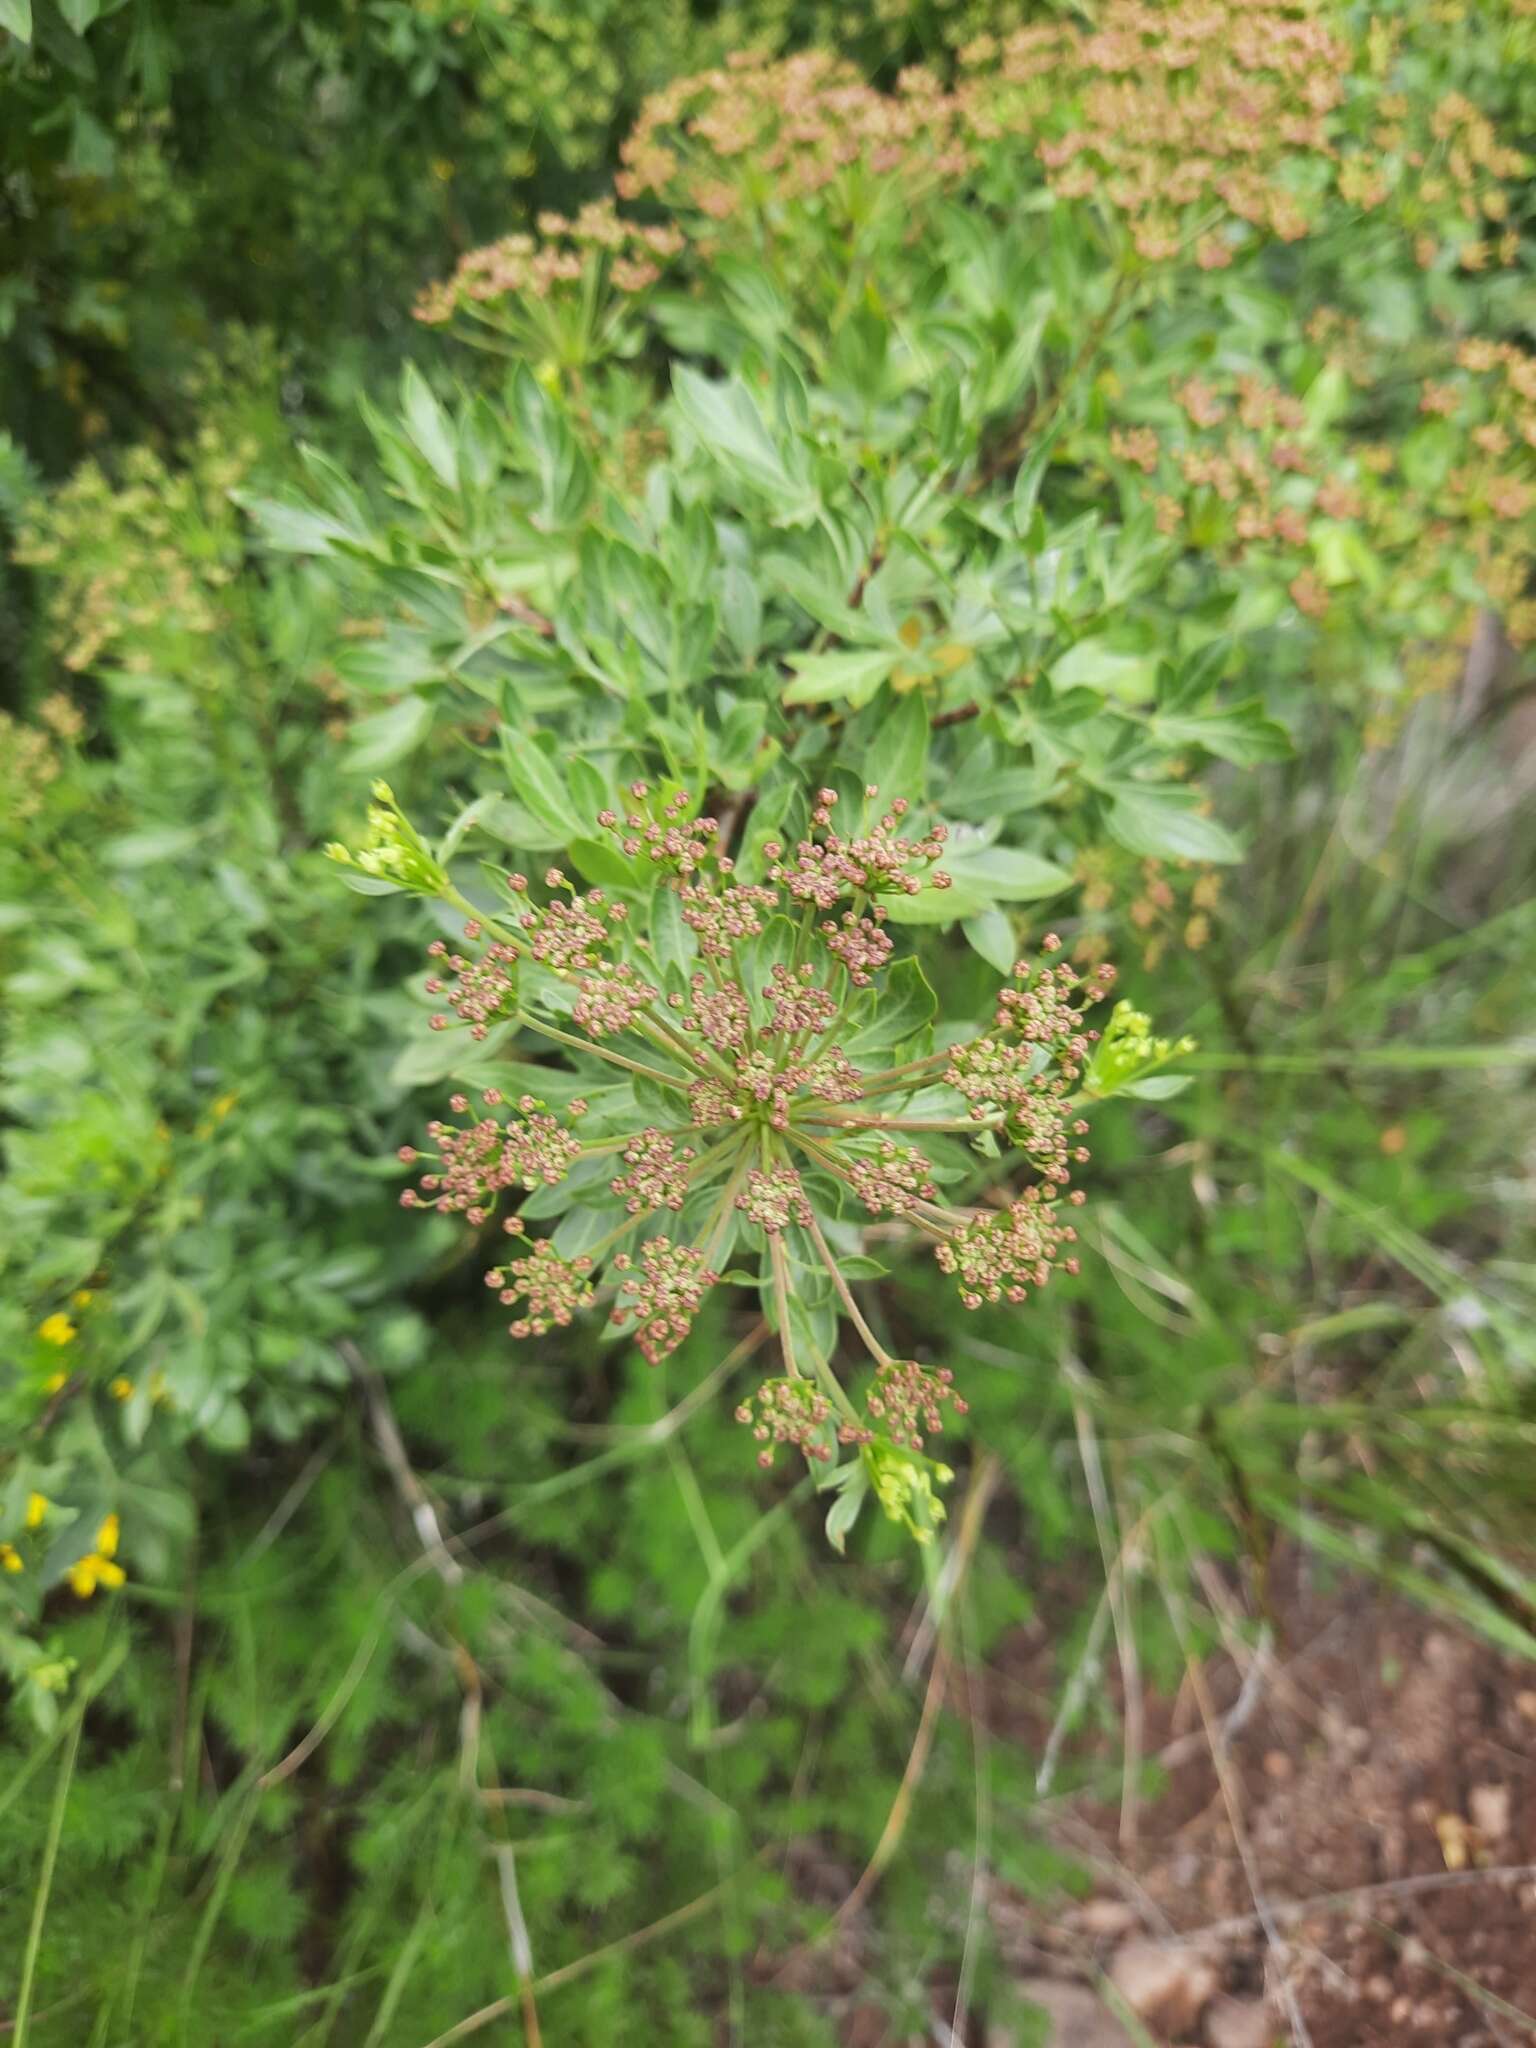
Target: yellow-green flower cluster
(393, 850)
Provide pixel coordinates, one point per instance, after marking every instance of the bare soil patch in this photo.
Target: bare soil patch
(1382, 1769)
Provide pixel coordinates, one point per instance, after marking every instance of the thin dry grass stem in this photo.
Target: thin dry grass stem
(1246, 1658)
(976, 1715)
(386, 1432)
(976, 1500)
(386, 1602)
(477, 1775)
(1284, 1911)
(499, 2008)
(1117, 1556)
(1260, 1667)
(474, 1766)
(517, 1940)
(530, 1796)
(1231, 1793)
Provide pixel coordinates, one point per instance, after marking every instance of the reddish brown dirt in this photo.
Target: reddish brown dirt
(1380, 1747)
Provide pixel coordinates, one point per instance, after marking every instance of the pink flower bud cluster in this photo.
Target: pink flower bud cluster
(482, 990)
(763, 1078)
(999, 1254)
(658, 1173)
(862, 944)
(609, 1001)
(870, 863)
(477, 1163)
(722, 1015)
(565, 255)
(553, 1289)
(665, 836)
(662, 1295)
(797, 1005)
(788, 1411)
(774, 1198)
(801, 120)
(564, 935)
(720, 918)
(894, 1181)
(907, 1400)
(1047, 1007)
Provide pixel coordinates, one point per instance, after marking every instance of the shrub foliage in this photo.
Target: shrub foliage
(875, 539)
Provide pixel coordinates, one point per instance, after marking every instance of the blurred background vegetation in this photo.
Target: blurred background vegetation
(310, 1775)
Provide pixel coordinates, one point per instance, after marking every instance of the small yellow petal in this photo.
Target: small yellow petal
(81, 1298)
(57, 1329)
(38, 1505)
(121, 1389)
(109, 1574)
(82, 1576)
(9, 1560)
(54, 1381)
(106, 1536)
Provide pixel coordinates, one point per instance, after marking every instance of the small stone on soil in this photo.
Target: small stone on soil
(1076, 2016)
(1109, 1917)
(1169, 1988)
(1240, 2023)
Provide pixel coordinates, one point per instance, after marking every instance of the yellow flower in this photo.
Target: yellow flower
(57, 1329)
(121, 1389)
(96, 1567)
(82, 1576)
(81, 1298)
(54, 1381)
(38, 1505)
(9, 1561)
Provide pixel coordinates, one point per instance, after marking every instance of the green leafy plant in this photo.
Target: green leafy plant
(965, 400)
(1116, 442)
